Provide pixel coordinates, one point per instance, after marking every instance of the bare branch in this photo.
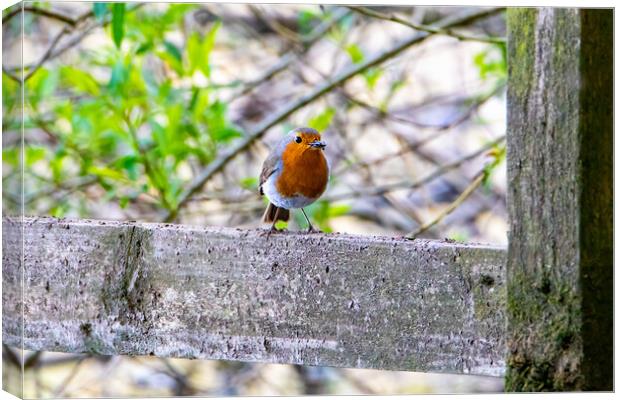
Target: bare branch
(60, 390)
(40, 11)
(53, 52)
(348, 72)
(459, 200)
(232, 203)
(11, 356)
(380, 190)
(374, 14)
(286, 60)
(47, 53)
(11, 75)
(476, 182)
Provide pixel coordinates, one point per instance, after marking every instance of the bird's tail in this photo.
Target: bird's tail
(270, 214)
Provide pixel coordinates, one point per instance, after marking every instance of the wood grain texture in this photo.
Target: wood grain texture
(221, 293)
(560, 199)
(12, 356)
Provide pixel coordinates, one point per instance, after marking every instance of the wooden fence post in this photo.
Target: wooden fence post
(560, 256)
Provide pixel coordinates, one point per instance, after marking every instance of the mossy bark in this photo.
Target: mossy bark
(560, 257)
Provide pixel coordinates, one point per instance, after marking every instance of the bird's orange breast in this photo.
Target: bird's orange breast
(304, 172)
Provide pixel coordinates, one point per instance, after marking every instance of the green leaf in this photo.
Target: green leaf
(491, 62)
(41, 85)
(250, 183)
(171, 61)
(395, 86)
(218, 127)
(130, 164)
(193, 52)
(323, 120)
(144, 48)
(305, 20)
(372, 75)
(199, 50)
(338, 210)
(346, 23)
(79, 80)
(123, 201)
(59, 210)
(118, 22)
(200, 104)
(11, 156)
(106, 172)
(99, 10)
(207, 46)
(173, 50)
(225, 134)
(281, 225)
(498, 154)
(119, 76)
(34, 154)
(459, 236)
(356, 54)
(56, 165)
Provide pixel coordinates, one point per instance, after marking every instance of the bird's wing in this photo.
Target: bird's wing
(270, 166)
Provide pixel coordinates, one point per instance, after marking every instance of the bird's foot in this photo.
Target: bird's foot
(271, 230)
(311, 229)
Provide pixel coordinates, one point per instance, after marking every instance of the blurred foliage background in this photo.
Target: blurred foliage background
(165, 112)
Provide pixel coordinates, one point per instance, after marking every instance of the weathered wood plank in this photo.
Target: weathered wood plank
(12, 357)
(560, 199)
(314, 299)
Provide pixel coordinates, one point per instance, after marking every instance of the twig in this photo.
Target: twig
(182, 387)
(62, 359)
(459, 200)
(69, 186)
(274, 25)
(40, 11)
(375, 191)
(77, 39)
(32, 360)
(444, 128)
(380, 190)
(358, 382)
(288, 58)
(324, 26)
(11, 75)
(219, 163)
(151, 172)
(11, 356)
(47, 54)
(60, 390)
(374, 14)
(87, 30)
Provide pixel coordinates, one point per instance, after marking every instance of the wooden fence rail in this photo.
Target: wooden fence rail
(313, 299)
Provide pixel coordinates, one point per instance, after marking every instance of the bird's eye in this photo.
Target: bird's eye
(298, 139)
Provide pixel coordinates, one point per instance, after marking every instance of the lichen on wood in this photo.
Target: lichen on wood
(560, 259)
(221, 293)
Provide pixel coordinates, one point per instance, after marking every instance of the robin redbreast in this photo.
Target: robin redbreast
(294, 175)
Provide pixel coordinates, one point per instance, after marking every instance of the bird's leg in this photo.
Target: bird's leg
(310, 227)
(273, 226)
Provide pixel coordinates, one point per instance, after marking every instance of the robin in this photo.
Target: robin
(294, 175)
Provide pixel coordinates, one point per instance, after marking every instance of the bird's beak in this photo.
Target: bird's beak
(318, 144)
